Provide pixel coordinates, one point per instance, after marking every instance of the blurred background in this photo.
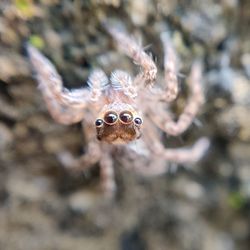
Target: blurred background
(205, 206)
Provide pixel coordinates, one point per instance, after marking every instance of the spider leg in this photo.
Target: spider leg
(161, 157)
(65, 106)
(170, 92)
(107, 175)
(132, 49)
(94, 154)
(185, 155)
(163, 118)
(158, 157)
(82, 163)
(170, 66)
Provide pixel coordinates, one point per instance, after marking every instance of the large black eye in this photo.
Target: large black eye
(126, 117)
(110, 118)
(138, 121)
(98, 123)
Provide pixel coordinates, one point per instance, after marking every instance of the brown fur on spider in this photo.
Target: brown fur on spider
(126, 112)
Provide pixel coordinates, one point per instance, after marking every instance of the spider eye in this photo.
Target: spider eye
(110, 118)
(98, 123)
(138, 121)
(126, 117)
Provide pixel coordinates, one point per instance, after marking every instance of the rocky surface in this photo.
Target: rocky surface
(43, 207)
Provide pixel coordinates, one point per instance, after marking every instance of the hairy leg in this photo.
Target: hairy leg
(92, 150)
(132, 49)
(170, 92)
(157, 157)
(93, 156)
(163, 119)
(161, 159)
(65, 106)
(170, 66)
(107, 175)
(185, 154)
(84, 162)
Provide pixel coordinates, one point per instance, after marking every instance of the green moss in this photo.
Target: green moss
(22, 5)
(26, 8)
(236, 200)
(36, 41)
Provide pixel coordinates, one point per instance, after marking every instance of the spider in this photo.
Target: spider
(124, 117)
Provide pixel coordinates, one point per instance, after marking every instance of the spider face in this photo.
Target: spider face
(118, 125)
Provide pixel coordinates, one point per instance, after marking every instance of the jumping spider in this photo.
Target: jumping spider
(116, 112)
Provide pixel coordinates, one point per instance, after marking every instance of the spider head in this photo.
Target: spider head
(118, 124)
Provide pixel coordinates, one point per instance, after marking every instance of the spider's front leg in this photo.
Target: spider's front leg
(132, 49)
(69, 107)
(65, 106)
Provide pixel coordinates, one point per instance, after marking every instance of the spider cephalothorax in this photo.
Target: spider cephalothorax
(112, 110)
(119, 120)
